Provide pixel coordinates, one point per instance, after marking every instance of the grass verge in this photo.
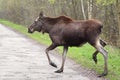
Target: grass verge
(82, 55)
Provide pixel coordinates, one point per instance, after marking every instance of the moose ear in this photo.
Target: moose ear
(41, 14)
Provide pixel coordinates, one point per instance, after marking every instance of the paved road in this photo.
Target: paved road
(23, 59)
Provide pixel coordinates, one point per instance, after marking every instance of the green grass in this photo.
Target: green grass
(82, 55)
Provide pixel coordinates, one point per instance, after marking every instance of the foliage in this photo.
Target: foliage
(81, 55)
(105, 2)
(107, 11)
(52, 1)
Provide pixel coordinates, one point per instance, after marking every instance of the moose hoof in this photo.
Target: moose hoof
(95, 59)
(103, 74)
(53, 64)
(59, 71)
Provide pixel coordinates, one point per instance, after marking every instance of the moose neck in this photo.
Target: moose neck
(49, 24)
(47, 28)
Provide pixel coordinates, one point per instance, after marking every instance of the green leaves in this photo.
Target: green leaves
(52, 1)
(105, 2)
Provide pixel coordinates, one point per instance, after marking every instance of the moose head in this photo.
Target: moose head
(37, 24)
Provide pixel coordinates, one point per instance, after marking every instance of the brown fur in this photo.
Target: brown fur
(73, 33)
(60, 19)
(64, 31)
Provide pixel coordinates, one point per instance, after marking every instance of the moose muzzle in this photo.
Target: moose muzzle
(30, 30)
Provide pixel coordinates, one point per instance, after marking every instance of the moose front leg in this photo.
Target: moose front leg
(51, 47)
(63, 59)
(103, 43)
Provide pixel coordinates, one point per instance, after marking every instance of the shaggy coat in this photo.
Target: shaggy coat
(66, 32)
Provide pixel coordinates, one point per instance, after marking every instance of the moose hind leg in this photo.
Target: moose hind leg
(51, 47)
(105, 55)
(94, 56)
(103, 43)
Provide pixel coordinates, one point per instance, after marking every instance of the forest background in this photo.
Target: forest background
(25, 11)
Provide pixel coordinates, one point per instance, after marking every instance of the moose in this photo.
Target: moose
(66, 32)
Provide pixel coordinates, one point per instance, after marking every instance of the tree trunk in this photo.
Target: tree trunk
(118, 14)
(90, 9)
(74, 14)
(83, 11)
(118, 19)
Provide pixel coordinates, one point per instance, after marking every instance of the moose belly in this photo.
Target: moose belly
(75, 42)
(74, 37)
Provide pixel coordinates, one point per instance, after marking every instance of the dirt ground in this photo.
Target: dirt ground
(22, 58)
